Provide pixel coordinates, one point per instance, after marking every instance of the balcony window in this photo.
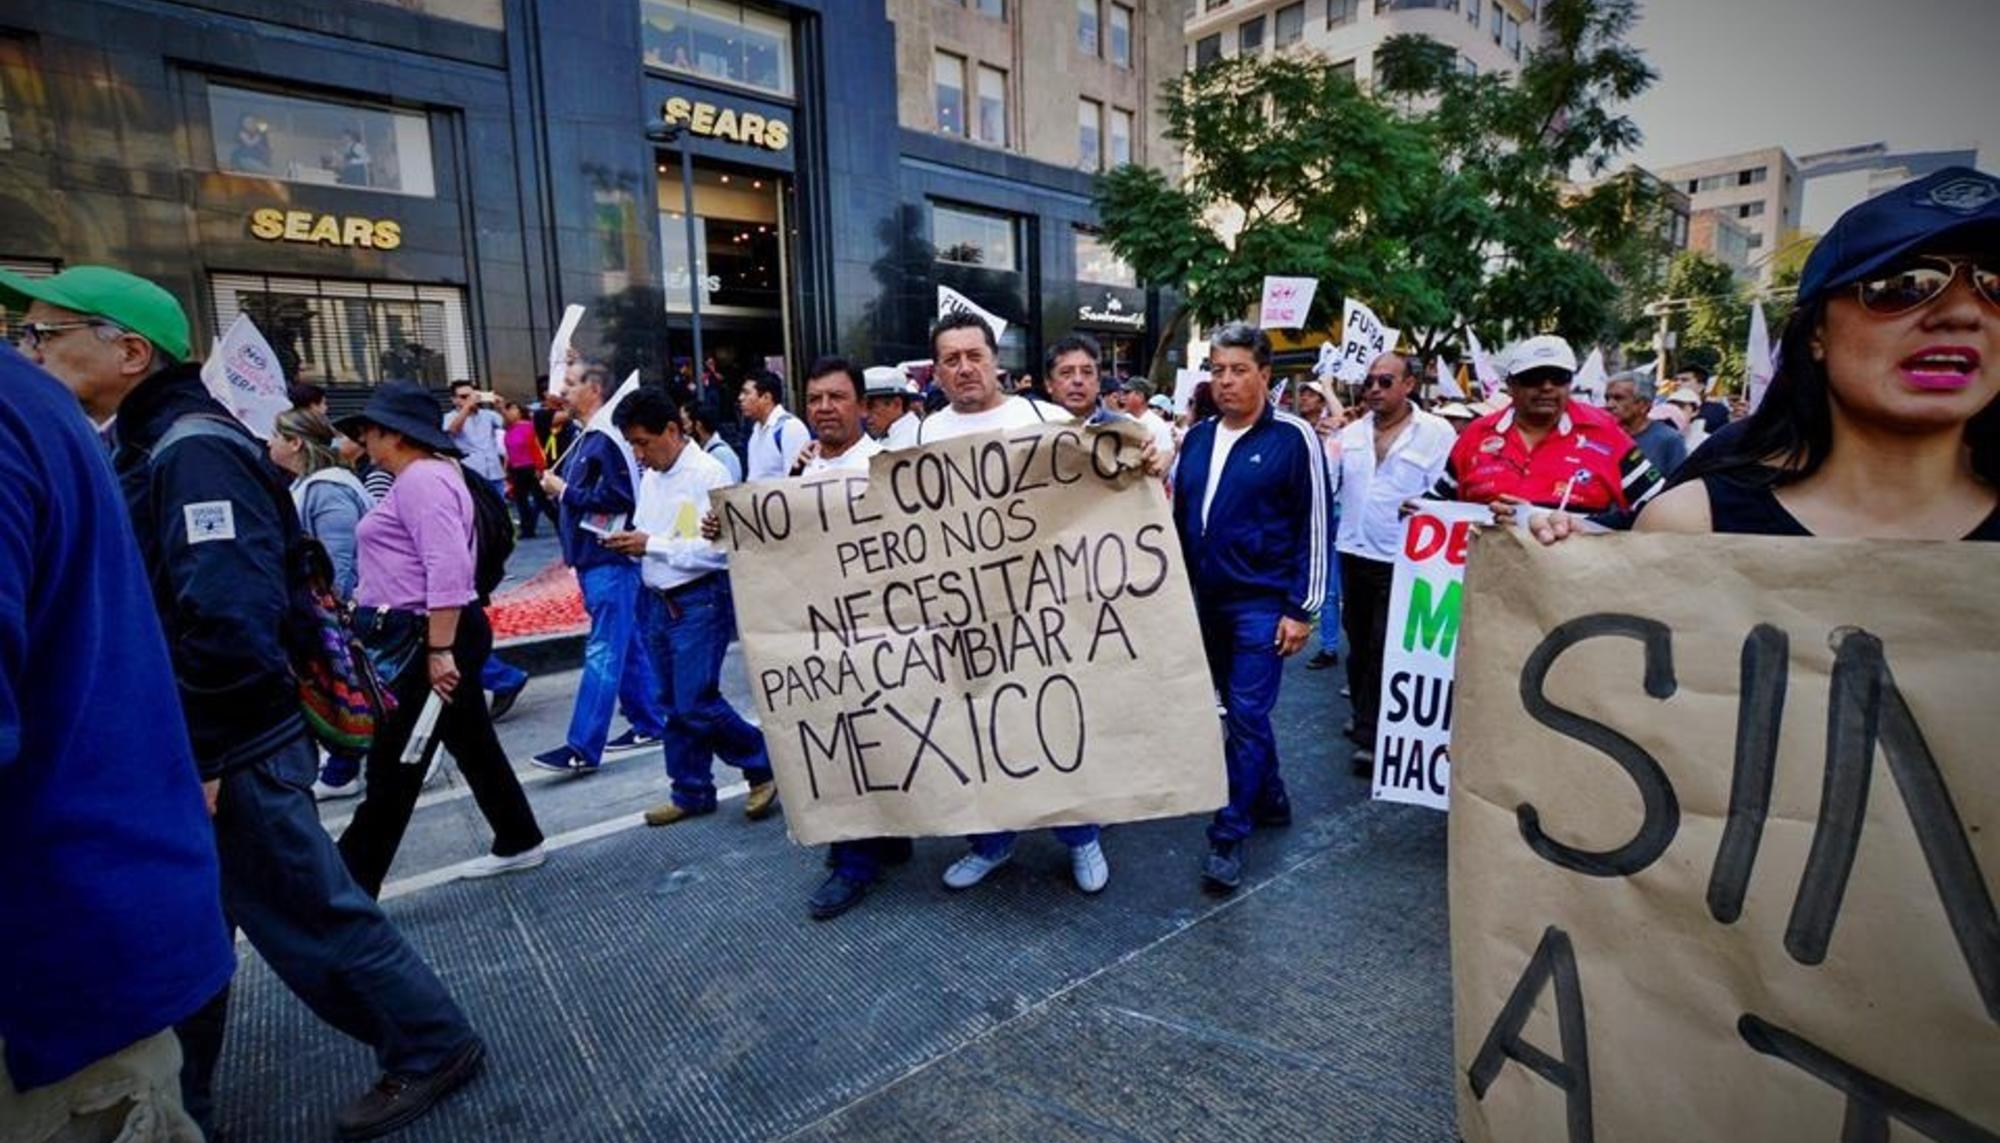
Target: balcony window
(1499, 22)
(717, 39)
(992, 106)
(1513, 37)
(1089, 134)
(948, 87)
(1289, 26)
(319, 141)
(1752, 177)
(994, 8)
(966, 237)
(1120, 41)
(1121, 137)
(1086, 27)
(1340, 12)
(1250, 36)
(1207, 50)
(1472, 12)
(1096, 264)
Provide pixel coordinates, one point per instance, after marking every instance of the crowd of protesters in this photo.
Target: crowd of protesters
(153, 554)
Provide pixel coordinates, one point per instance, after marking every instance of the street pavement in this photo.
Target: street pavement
(668, 985)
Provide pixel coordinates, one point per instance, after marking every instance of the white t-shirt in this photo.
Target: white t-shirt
(1225, 439)
(902, 432)
(855, 459)
(1012, 413)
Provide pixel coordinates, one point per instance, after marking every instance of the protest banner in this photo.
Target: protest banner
(1759, 366)
(1327, 363)
(1413, 726)
(992, 632)
(1721, 858)
(1483, 368)
(1448, 388)
(1185, 383)
(243, 373)
(559, 349)
(1363, 338)
(1286, 302)
(950, 301)
(1590, 379)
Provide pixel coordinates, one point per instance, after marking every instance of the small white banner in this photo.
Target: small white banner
(559, 350)
(243, 373)
(1286, 302)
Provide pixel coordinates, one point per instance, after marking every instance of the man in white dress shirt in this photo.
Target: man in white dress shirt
(892, 406)
(777, 436)
(1394, 452)
(687, 614)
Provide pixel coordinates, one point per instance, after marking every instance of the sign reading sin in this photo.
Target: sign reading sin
(273, 225)
(728, 123)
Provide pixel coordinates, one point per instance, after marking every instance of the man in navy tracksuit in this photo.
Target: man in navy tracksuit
(1250, 503)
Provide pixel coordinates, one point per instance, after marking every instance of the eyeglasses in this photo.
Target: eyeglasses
(1924, 280)
(1379, 380)
(34, 333)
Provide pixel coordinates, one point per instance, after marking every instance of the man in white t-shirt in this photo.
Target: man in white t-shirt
(835, 390)
(1138, 395)
(968, 369)
(777, 436)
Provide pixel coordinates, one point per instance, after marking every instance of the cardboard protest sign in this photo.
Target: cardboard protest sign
(1286, 302)
(993, 632)
(243, 373)
(1363, 338)
(1722, 857)
(1413, 727)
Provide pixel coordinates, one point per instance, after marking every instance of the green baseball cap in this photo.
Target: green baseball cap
(100, 291)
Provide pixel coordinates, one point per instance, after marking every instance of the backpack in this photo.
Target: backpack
(341, 697)
(493, 534)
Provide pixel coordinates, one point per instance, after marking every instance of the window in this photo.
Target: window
(352, 333)
(992, 106)
(1467, 65)
(718, 39)
(1750, 210)
(1095, 263)
(1752, 177)
(1089, 134)
(973, 237)
(1289, 25)
(1499, 22)
(1250, 36)
(948, 73)
(1472, 12)
(1513, 38)
(1121, 137)
(737, 242)
(994, 8)
(1214, 4)
(1086, 27)
(1755, 242)
(1345, 70)
(1120, 40)
(314, 141)
(1207, 50)
(1340, 12)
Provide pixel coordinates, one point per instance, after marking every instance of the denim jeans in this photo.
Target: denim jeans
(1329, 611)
(616, 669)
(1241, 642)
(689, 630)
(500, 675)
(995, 844)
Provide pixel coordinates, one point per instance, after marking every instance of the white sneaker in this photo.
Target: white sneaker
(322, 792)
(1087, 863)
(971, 869)
(491, 866)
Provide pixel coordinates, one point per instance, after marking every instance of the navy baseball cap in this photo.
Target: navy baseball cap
(1954, 203)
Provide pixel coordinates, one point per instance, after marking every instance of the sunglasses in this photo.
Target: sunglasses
(1540, 378)
(1379, 380)
(1924, 280)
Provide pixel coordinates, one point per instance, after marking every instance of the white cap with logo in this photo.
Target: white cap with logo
(1546, 351)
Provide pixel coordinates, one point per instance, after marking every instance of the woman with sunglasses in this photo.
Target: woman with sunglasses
(1881, 422)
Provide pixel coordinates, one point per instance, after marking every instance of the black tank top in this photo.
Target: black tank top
(1749, 509)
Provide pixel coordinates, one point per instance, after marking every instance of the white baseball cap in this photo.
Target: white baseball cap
(1546, 351)
(886, 381)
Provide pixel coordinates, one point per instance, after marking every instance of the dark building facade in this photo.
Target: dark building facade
(417, 189)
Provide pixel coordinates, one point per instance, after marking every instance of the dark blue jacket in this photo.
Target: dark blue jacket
(214, 525)
(109, 899)
(1267, 533)
(596, 479)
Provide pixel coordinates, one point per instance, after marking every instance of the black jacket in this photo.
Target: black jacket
(214, 528)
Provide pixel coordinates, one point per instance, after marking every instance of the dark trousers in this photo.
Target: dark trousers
(687, 631)
(862, 859)
(466, 728)
(1241, 643)
(284, 885)
(529, 499)
(1365, 615)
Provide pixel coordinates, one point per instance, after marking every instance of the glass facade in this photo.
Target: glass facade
(719, 40)
(333, 332)
(316, 141)
(1096, 264)
(974, 237)
(738, 238)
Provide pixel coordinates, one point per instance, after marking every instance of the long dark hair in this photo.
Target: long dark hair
(1789, 436)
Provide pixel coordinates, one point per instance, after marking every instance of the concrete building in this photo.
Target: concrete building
(1761, 189)
(1489, 35)
(1839, 179)
(1721, 234)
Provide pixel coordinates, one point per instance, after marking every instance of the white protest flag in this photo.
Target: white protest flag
(559, 350)
(1185, 381)
(1758, 367)
(1483, 369)
(1286, 302)
(1363, 338)
(243, 373)
(950, 301)
(1329, 360)
(1590, 379)
(1448, 387)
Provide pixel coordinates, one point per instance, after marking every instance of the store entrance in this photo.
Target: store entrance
(740, 237)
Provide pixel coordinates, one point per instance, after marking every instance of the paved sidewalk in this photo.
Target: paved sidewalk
(667, 984)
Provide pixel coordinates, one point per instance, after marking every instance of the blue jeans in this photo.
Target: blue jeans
(1241, 641)
(995, 844)
(616, 669)
(1329, 611)
(500, 675)
(688, 630)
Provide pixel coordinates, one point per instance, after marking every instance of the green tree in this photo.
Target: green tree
(1708, 313)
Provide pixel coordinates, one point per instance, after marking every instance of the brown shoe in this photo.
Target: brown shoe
(397, 1100)
(667, 813)
(762, 800)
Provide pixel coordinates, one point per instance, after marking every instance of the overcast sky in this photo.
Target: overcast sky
(1813, 75)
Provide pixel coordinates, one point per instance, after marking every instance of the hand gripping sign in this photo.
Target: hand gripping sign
(989, 633)
(1722, 855)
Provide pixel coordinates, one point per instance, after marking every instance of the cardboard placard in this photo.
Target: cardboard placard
(991, 632)
(1722, 854)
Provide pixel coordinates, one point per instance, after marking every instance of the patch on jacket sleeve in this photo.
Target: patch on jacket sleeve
(210, 520)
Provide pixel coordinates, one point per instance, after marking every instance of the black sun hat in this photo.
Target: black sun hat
(403, 407)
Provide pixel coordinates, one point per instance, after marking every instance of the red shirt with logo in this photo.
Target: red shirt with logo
(1586, 459)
